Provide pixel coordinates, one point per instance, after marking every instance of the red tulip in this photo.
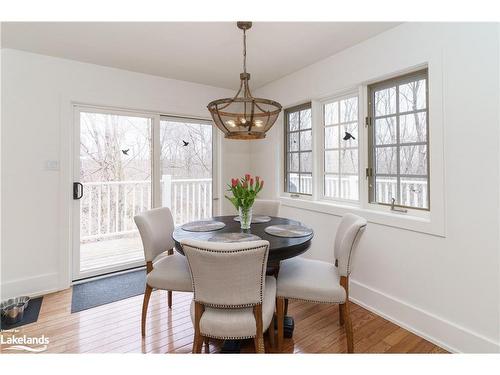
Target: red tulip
(257, 178)
(247, 177)
(234, 182)
(251, 181)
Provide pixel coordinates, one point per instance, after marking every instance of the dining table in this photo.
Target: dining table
(280, 248)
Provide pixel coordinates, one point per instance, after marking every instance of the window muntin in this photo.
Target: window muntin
(341, 161)
(298, 150)
(399, 141)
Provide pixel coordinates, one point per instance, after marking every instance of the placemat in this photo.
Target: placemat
(256, 219)
(203, 226)
(234, 237)
(288, 230)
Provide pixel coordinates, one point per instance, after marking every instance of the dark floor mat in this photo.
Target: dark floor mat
(106, 290)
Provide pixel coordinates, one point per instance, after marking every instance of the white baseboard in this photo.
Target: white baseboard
(439, 331)
(30, 286)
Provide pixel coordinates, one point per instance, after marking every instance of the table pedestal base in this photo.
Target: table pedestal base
(234, 346)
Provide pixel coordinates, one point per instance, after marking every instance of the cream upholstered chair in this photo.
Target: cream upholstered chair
(164, 269)
(266, 207)
(233, 297)
(322, 282)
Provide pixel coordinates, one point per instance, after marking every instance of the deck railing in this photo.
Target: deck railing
(107, 209)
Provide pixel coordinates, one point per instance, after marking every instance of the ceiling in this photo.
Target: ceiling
(204, 52)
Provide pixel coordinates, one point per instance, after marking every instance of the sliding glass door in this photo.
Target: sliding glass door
(125, 163)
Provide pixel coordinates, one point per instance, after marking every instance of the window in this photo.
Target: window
(398, 141)
(298, 150)
(186, 152)
(340, 119)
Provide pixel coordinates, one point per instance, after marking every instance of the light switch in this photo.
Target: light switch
(52, 165)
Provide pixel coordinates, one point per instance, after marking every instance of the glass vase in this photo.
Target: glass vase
(245, 217)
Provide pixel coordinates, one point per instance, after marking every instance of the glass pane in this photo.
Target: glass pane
(413, 127)
(332, 161)
(349, 134)
(385, 101)
(305, 140)
(332, 113)
(293, 144)
(186, 169)
(349, 187)
(385, 131)
(293, 162)
(414, 192)
(349, 161)
(331, 186)
(349, 110)
(306, 161)
(306, 184)
(385, 189)
(413, 160)
(115, 171)
(293, 121)
(385, 158)
(305, 119)
(332, 137)
(293, 183)
(412, 96)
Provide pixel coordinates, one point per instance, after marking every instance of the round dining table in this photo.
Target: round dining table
(280, 248)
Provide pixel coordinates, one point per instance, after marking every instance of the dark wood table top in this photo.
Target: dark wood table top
(280, 248)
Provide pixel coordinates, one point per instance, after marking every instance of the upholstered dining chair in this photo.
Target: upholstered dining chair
(266, 207)
(165, 270)
(322, 282)
(233, 298)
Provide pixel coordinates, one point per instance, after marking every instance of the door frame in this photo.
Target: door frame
(77, 108)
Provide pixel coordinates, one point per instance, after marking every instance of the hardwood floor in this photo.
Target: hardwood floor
(115, 328)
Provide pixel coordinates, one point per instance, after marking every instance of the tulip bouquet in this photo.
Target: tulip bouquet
(244, 191)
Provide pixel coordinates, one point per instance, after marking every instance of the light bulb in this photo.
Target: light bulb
(231, 123)
(258, 123)
(243, 120)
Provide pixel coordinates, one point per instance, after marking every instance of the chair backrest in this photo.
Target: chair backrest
(346, 239)
(227, 275)
(155, 227)
(266, 207)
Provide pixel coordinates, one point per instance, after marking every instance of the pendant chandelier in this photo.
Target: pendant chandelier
(243, 116)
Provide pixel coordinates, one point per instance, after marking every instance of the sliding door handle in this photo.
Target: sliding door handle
(77, 190)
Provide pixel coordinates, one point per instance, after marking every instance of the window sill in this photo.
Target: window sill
(426, 222)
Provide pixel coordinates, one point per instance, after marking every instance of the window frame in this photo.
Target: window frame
(355, 93)
(286, 132)
(396, 81)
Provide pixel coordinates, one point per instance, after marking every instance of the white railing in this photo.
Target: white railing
(107, 209)
(413, 191)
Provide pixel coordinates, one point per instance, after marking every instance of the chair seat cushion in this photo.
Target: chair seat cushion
(310, 280)
(171, 273)
(237, 323)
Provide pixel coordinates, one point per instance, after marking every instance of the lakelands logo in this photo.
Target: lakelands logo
(23, 343)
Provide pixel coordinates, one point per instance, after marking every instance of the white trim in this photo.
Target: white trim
(31, 286)
(442, 332)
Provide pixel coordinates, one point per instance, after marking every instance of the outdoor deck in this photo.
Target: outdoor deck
(111, 252)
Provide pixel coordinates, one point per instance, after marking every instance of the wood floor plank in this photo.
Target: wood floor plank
(115, 328)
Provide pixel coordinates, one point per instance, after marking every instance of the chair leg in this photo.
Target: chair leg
(280, 315)
(270, 333)
(341, 314)
(145, 303)
(348, 327)
(207, 344)
(286, 307)
(198, 338)
(169, 299)
(259, 344)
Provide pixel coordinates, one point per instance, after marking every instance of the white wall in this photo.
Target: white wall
(37, 92)
(445, 289)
